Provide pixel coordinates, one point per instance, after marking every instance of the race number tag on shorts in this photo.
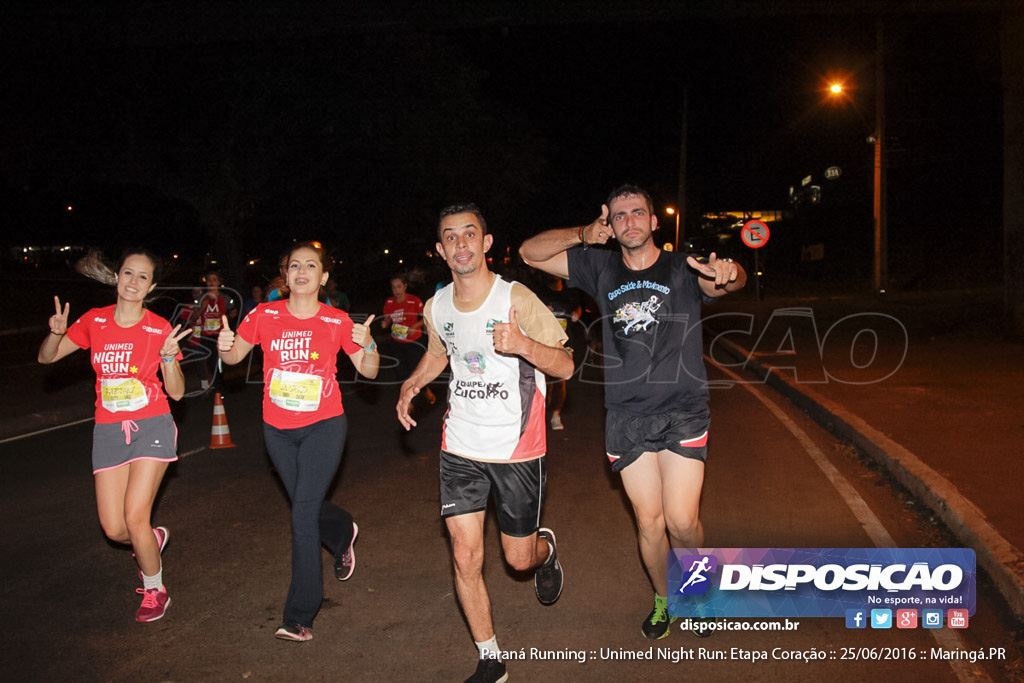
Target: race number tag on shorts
(399, 331)
(211, 325)
(123, 394)
(295, 391)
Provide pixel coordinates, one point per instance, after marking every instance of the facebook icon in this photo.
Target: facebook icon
(856, 618)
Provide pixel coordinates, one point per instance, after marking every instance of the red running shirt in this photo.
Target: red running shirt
(300, 356)
(211, 309)
(125, 360)
(404, 315)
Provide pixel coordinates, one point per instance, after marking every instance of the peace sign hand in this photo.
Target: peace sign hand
(59, 320)
(170, 348)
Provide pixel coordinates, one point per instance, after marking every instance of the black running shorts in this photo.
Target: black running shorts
(628, 436)
(518, 489)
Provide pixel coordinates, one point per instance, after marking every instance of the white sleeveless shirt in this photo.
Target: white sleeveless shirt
(496, 402)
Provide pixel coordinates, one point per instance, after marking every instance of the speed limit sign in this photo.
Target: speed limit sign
(754, 234)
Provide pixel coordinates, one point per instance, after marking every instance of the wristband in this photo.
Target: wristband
(372, 346)
(57, 335)
(167, 360)
(583, 239)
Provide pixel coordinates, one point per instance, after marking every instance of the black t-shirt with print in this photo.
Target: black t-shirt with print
(651, 330)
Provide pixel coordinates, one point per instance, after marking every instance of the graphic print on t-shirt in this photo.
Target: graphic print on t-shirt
(119, 393)
(637, 313)
(298, 391)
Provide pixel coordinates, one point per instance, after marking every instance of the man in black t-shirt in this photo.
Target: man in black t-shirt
(655, 384)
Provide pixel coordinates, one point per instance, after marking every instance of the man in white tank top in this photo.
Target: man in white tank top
(500, 341)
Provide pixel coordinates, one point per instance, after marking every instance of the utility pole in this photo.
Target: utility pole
(681, 207)
(881, 251)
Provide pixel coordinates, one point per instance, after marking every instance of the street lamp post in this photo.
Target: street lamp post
(671, 211)
(881, 251)
(880, 269)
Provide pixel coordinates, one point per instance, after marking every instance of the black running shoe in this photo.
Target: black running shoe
(547, 579)
(658, 623)
(702, 626)
(489, 671)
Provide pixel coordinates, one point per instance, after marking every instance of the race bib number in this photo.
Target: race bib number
(211, 325)
(119, 395)
(295, 391)
(399, 331)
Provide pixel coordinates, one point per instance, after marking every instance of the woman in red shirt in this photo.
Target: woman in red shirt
(403, 313)
(304, 423)
(134, 439)
(209, 315)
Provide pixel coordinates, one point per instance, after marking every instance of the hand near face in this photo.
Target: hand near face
(600, 231)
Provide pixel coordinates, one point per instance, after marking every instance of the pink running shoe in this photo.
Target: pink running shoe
(155, 602)
(162, 534)
(294, 632)
(346, 564)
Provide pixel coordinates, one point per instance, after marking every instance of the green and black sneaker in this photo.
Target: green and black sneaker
(657, 623)
(702, 627)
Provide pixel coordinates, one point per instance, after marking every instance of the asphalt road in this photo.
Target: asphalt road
(69, 597)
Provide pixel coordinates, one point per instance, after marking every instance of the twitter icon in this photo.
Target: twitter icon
(881, 618)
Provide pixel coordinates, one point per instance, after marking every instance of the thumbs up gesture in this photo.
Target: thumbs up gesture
(508, 338)
(362, 334)
(226, 338)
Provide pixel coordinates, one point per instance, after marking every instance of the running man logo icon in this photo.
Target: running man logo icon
(695, 580)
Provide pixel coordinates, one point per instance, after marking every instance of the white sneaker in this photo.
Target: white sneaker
(556, 422)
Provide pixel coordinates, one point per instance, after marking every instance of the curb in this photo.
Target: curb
(1003, 561)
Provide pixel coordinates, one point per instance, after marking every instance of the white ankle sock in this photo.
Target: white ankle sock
(157, 581)
(488, 648)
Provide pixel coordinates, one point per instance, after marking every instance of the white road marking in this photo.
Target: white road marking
(946, 638)
(43, 431)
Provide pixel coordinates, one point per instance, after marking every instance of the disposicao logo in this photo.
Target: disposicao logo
(696, 580)
(819, 582)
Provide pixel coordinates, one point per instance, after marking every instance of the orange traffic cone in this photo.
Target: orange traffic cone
(220, 434)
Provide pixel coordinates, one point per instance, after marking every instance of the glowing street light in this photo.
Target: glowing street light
(671, 211)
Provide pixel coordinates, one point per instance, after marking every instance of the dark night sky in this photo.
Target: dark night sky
(353, 130)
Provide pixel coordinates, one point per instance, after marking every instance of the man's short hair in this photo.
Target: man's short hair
(467, 207)
(628, 190)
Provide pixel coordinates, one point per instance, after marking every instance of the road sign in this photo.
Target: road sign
(754, 234)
